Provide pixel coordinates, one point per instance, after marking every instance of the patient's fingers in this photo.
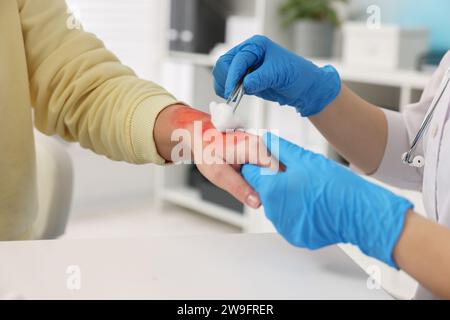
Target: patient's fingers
(228, 179)
(242, 148)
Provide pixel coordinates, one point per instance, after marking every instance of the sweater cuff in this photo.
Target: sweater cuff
(143, 122)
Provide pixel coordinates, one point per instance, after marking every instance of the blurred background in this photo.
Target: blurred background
(385, 50)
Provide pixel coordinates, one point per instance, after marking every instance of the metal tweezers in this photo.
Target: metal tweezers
(237, 94)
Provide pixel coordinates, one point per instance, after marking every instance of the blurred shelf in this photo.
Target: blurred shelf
(385, 77)
(394, 78)
(191, 199)
(198, 59)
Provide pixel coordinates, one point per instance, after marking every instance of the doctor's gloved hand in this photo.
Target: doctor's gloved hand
(317, 202)
(277, 75)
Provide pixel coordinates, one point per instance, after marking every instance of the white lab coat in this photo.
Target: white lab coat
(434, 179)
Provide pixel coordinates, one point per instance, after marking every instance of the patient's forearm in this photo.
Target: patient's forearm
(356, 128)
(423, 251)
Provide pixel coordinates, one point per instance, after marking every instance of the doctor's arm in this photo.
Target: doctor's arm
(316, 202)
(363, 133)
(356, 128)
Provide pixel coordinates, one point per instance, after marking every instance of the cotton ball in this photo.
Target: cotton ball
(223, 118)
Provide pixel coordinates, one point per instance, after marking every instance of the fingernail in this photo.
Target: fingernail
(253, 201)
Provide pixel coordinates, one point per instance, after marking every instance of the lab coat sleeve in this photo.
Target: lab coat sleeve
(392, 170)
(402, 128)
(81, 91)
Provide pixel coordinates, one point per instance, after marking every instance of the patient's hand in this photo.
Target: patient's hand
(218, 156)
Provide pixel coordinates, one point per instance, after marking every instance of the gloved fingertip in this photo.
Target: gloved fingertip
(226, 94)
(229, 87)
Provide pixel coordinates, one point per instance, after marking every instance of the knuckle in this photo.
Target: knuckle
(259, 38)
(225, 60)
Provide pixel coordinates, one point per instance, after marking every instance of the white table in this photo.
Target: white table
(203, 267)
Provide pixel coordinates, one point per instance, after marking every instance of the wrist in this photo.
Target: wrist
(380, 239)
(191, 123)
(166, 123)
(408, 240)
(324, 90)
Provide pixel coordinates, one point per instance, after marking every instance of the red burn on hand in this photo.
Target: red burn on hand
(185, 118)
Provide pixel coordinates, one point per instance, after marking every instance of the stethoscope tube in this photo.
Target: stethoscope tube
(419, 161)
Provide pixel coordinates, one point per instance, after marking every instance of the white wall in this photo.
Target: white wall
(131, 29)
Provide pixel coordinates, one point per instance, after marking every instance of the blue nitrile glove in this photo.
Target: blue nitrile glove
(317, 202)
(277, 75)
